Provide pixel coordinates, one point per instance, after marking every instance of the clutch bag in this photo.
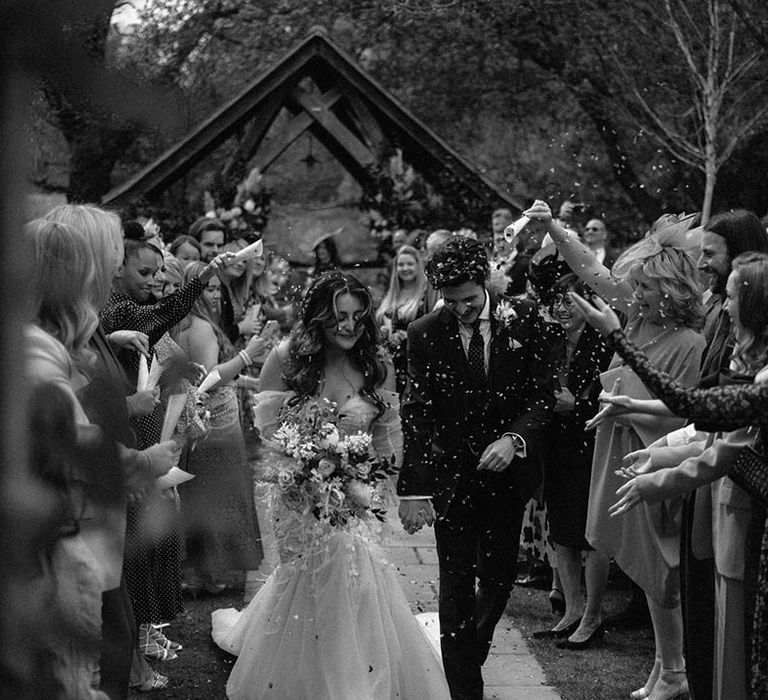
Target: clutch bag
(750, 471)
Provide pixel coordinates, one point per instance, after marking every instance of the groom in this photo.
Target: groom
(479, 395)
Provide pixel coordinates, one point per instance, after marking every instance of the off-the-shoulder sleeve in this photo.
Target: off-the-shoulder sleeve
(267, 409)
(386, 430)
(723, 408)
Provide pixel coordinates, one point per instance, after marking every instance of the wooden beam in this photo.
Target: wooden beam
(256, 131)
(361, 173)
(330, 123)
(365, 122)
(425, 140)
(292, 131)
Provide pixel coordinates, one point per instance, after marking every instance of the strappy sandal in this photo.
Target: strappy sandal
(151, 648)
(157, 681)
(156, 633)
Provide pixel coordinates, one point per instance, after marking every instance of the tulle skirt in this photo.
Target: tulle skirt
(331, 624)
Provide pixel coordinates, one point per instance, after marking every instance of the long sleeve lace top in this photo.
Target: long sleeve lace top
(721, 408)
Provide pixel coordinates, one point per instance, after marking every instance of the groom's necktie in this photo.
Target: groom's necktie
(476, 355)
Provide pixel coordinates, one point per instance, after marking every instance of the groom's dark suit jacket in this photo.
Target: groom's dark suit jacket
(444, 415)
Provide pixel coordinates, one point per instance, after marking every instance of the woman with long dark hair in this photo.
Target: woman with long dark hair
(217, 509)
(331, 622)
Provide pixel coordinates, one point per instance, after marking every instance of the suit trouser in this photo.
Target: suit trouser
(697, 581)
(118, 640)
(477, 547)
(729, 669)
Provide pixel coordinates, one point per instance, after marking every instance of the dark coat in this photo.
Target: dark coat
(443, 414)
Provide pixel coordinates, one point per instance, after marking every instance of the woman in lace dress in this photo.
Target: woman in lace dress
(331, 622)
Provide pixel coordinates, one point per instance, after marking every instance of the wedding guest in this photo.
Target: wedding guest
(595, 236)
(236, 295)
(68, 264)
(399, 239)
(109, 400)
(326, 256)
(404, 302)
(186, 249)
(728, 523)
(152, 561)
(580, 356)
(221, 530)
(56, 344)
(209, 233)
(662, 301)
(433, 242)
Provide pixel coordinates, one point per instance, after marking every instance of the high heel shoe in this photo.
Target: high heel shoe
(596, 636)
(645, 691)
(672, 684)
(157, 681)
(558, 634)
(151, 648)
(557, 601)
(156, 633)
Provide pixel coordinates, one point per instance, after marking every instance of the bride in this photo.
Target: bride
(332, 621)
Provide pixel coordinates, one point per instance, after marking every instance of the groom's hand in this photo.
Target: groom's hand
(498, 455)
(415, 513)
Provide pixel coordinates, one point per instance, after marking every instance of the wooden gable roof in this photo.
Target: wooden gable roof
(327, 93)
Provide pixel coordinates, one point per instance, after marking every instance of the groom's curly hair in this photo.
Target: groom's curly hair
(460, 259)
(306, 355)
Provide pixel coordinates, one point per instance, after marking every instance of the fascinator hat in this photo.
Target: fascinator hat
(668, 231)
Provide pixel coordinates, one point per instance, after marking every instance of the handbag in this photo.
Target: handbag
(750, 471)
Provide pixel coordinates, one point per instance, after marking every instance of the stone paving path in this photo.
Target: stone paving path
(511, 672)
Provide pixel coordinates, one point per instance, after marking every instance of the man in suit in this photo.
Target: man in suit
(596, 237)
(479, 395)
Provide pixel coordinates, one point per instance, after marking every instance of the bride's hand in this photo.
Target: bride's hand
(415, 513)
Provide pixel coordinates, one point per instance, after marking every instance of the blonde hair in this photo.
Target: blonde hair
(104, 233)
(239, 287)
(674, 270)
(394, 304)
(63, 277)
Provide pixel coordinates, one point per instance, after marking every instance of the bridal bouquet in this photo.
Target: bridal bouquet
(330, 475)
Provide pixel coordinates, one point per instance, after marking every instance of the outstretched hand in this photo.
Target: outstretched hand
(614, 406)
(629, 497)
(415, 513)
(598, 313)
(635, 463)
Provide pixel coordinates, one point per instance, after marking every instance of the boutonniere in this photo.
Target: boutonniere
(505, 314)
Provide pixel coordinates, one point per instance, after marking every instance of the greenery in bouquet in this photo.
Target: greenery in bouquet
(328, 474)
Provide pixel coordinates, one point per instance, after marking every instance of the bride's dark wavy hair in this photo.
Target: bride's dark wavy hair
(306, 355)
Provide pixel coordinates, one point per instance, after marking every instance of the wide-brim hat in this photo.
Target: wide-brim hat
(671, 230)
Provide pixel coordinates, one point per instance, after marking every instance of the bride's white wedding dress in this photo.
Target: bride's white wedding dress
(332, 622)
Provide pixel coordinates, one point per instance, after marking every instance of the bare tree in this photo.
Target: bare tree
(724, 103)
